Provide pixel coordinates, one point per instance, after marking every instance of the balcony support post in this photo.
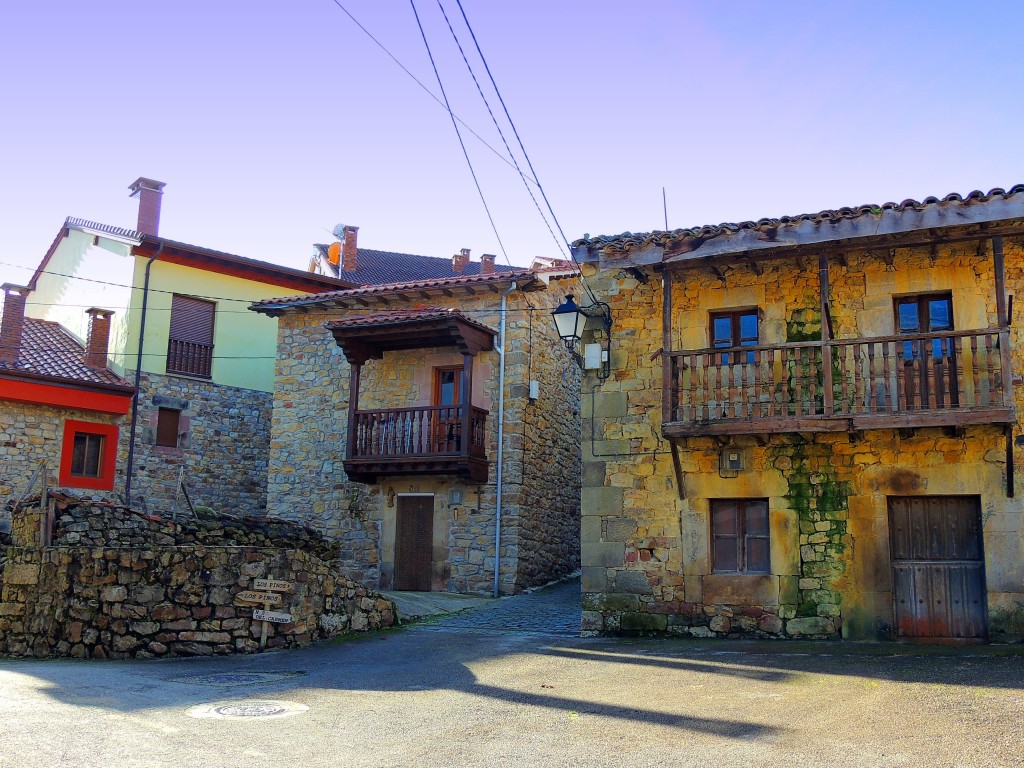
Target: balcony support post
(353, 407)
(669, 397)
(465, 398)
(824, 293)
(1005, 362)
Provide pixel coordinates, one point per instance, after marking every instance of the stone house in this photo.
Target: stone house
(60, 405)
(430, 425)
(811, 427)
(181, 334)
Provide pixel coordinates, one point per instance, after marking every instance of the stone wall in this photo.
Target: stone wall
(646, 561)
(540, 529)
(120, 584)
(30, 434)
(222, 446)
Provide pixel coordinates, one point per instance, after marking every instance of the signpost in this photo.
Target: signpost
(266, 591)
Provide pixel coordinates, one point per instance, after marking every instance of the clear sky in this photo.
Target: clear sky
(273, 121)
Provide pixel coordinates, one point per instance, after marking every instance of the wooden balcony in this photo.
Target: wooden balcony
(190, 358)
(911, 380)
(426, 440)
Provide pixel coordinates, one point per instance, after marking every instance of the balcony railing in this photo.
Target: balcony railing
(189, 357)
(922, 379)
(418, 432)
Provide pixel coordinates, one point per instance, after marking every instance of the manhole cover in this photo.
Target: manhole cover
(245, 710)
(236, 678)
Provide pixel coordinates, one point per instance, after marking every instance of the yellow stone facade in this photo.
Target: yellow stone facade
(645, 541)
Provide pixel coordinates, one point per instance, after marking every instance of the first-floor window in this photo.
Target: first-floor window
(739, 534)
(88, 455)
(168, 422)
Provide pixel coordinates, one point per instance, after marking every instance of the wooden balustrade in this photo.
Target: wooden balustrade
(189, 357)
(900, 380)
(425, 431)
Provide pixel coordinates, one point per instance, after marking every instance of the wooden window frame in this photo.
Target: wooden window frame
(735, 325)
(191, 357)
(177, 427)
(741, 536)
(457, 370)
(108, 455)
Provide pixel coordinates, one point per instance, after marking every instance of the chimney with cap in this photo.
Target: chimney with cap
(99, 337)
(13, 323)
(349, 250)
(460, 260)
(150, 193)
(487, 264)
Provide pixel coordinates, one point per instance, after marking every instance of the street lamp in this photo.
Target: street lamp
(571, 320)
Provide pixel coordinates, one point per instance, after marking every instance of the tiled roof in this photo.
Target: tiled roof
(378, 267)
(50, 351)
(459, 281)
(629, 241)
(401, 317)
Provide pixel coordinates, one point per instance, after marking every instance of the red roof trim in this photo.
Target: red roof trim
(81, 398)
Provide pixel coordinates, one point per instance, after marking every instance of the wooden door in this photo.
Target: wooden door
(414, 543)
(938, 566)
(447, 395)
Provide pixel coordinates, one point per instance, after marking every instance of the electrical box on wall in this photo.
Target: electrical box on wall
(592, 357)
(732, 460)
(534, 389)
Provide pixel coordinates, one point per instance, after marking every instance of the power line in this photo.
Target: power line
(497, 126)
(458, 133)
(432, 95)
(526, 155)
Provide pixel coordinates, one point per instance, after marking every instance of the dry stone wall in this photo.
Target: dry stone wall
(118, 584)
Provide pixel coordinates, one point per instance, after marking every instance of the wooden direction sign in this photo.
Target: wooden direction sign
(248, 596)
(272, 585)
(272, 616)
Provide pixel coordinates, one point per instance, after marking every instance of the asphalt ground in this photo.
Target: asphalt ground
(468, 690)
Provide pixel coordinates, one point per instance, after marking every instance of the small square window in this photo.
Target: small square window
(740, 536)
(88, 455)
(168, 424)
(737, 328)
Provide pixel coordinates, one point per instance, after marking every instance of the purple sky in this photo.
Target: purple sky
(271, 122)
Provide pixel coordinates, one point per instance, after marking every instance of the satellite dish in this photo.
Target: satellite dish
(334, 253)
(339, 231)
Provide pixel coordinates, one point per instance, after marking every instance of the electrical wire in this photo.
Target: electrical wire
(458, 133)
(526, 155)
(421, 85)
(498, 127)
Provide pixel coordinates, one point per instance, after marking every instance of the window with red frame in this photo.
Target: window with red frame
(88, 455)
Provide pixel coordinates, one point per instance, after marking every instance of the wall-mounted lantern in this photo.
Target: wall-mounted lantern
(572, 320)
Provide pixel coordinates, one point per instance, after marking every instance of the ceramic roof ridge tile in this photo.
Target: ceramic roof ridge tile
(400, 316)
(51, 351)
(383, 288)
(631, 240)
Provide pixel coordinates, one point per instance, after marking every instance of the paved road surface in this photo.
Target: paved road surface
(502, 686)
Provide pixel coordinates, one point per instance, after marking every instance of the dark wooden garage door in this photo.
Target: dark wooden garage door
(414, 542)
(938, 566)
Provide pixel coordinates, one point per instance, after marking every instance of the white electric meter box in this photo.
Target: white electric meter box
(592, 357)
(534, 389)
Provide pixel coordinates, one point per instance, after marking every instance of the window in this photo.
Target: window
(168, 425)
(88, 455)
(739, 534)
(927, 313)
(447, 383)
(737, 328)
(190, 341)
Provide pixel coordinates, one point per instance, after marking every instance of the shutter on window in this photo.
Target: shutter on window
(192, 319)
(167, 424)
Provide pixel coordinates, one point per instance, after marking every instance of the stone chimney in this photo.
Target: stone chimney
(349, 250)
(99, 337)
(150, 194)
(460, 260)
(13, 322)
(487, 264)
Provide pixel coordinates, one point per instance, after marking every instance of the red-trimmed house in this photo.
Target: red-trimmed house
(60, 405)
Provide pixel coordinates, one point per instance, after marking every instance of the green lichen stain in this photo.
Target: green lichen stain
(817, 496)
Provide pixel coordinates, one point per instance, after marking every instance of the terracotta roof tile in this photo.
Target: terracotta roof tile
(51, 351)
(401, 317)
(629, 241)
(370, 290)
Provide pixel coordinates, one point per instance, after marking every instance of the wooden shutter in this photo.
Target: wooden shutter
(167, 424)
(192, 319)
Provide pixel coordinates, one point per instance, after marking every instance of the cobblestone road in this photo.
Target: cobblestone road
(553, 610)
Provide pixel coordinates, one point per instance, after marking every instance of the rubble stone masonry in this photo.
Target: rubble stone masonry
(540, 523)
(646, 558)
